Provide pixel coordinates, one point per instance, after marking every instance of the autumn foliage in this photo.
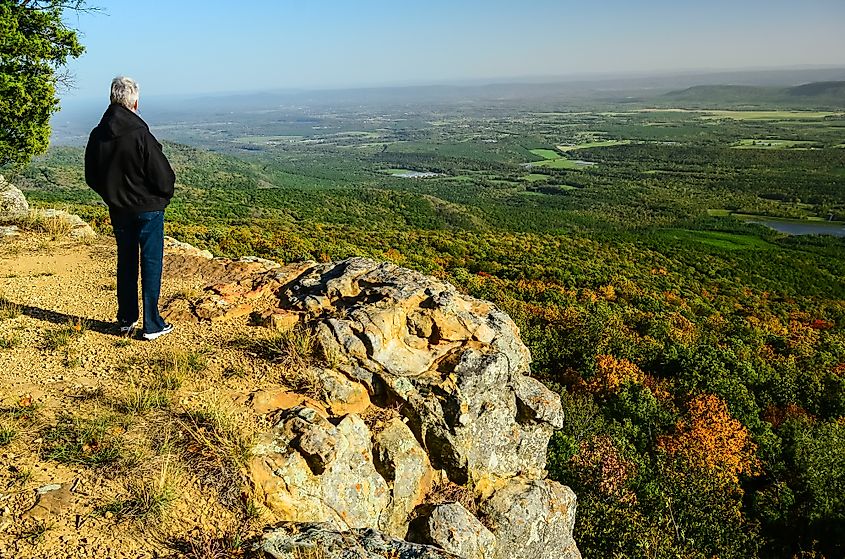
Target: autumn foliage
(713, 440)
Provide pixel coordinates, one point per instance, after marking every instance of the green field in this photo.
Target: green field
(726, 241)
(563, 163)
(535, 177)
(555, 160)
(588, 145)
(752, 143)
(546, 153)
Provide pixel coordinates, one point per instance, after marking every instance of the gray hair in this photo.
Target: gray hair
(124, 91)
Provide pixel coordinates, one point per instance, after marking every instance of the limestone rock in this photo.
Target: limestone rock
(532, 519)
(172, 246)
(405, 466)
(279, 319)
(311, 471)
(451, 527)
(13, 204)
(456, 362)
(343, 396)
(322, 540)
(9, 231)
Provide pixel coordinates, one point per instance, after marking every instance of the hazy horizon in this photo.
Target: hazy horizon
(197, 48)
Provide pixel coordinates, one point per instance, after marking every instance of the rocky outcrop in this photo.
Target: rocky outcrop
(453, 374)
(455, 364)
(13, 204)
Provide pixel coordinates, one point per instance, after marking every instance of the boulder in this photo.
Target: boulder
(13, 204)
(532, 519)
(308, 470)
(404, 464)
(290, 541)
(453, 528)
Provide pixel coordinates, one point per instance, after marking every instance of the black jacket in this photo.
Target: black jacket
(124, 164)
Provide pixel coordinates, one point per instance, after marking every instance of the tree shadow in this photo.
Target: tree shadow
(55, 317)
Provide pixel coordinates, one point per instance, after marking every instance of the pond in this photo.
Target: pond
(796, 227)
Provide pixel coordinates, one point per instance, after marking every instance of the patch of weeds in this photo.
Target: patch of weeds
(141, 398)
(218, 434)
(10, 341)
(23, 413)
(7, 433)
(172, 368)
(34, 531)
(92, 442)
(234, 371)
(122, 342)
(53, 226)
(20, 476)
(297, 347)
(219, 443)
(8, 309)
(212, 545)
(65, 335)
(146, 498)
(72, 358)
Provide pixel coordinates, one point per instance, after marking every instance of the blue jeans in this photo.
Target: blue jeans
(139, 233)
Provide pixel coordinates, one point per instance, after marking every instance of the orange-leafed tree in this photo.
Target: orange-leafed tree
(711, 439)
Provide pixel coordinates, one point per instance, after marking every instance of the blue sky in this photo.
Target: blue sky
(196, 46)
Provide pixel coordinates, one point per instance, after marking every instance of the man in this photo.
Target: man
(124, 164)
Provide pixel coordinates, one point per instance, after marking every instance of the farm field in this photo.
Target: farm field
(752, 143)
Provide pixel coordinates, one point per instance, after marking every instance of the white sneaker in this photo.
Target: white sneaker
(168, 328)
(127, 330)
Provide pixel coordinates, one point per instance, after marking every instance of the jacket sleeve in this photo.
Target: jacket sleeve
(159, 174)
(92, 164)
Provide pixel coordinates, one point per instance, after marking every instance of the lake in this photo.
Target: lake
(793, 227)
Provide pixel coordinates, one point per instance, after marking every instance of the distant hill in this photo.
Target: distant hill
(815, 94)
(819, 89)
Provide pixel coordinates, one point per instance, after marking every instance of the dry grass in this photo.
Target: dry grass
(448, 492)
(141, 398)
(8, 309)
(218, 443)
(10, 341)
(294, 348)
(52, 226)
(63, 336)
(147, 497)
